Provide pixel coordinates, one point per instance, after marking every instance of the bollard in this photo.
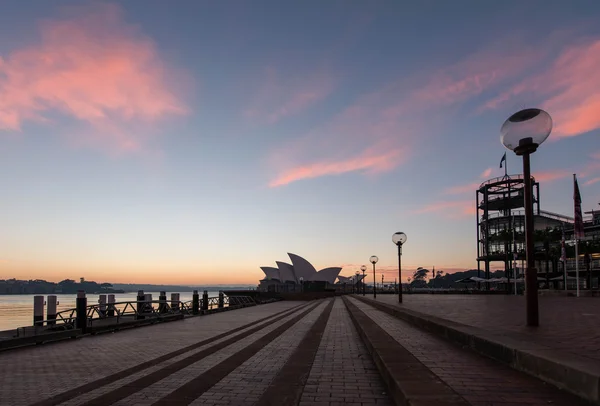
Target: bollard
(205, 300)
(38, 310)
(51, 310)
(196, 303)
(162, 302)
(148, 306)
(175, 302)
(111, 305)
(102, 305)
(81, 308)
(221, 299)
(140, 305)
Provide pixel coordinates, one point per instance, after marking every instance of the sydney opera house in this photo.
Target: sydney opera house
(291, 277)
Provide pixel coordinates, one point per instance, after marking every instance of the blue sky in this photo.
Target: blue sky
(193, 142)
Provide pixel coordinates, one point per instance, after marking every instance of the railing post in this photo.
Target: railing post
(162, 299)
(175, 301)
(111, 305)
(51, 310)
(140, 304)
(102, 305)
(205, 300)
(80, 311)
(148, 302)
(38, 310)
(196, 303)
(221, 299)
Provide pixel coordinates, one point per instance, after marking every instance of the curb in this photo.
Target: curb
(408, 381)
(577, 375)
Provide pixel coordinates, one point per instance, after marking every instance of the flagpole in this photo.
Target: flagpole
(577, 264)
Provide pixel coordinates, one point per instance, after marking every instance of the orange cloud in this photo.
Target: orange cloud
(450, 209)
(280, 97)
(93, 67)
(366, 162)
(569, 88)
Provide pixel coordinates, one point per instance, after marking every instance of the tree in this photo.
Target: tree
(420, 277)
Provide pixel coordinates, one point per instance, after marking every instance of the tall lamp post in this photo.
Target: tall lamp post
(363, 268)
(399, 238)
(523, 133)
(374, 260)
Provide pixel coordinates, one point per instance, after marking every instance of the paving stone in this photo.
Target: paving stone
(477, 379)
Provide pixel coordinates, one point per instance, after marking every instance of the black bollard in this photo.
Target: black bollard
(141, 301)
(38, 310)
(102, 305)
(111, 305)
(205, 300)
(221, 299)
(196, 303)
(51, 310)
(81, 311)
(162, 302)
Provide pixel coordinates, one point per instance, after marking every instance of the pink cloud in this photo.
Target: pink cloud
(366, 162)
(450, 209)
(280, 97)
(93, 67)
(592, 181)
(486, 174)
(462, 189)
(569, 89)
(548, 176)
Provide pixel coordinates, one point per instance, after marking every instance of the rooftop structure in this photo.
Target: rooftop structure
(299, 271)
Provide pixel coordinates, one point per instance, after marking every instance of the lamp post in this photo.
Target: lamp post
(374, 260)
(523, 132)
(399, 238)
(363, 268)
(301, 284)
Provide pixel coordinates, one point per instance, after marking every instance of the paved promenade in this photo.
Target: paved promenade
(566, 323)
(283, 353)
(230, 358)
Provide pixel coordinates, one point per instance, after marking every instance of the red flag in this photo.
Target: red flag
(578, 216)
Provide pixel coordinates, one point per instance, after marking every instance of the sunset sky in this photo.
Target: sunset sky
(194, 141)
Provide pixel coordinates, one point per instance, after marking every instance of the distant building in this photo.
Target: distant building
(290, 277)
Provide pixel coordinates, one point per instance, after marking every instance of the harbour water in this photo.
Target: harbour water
(17, 310)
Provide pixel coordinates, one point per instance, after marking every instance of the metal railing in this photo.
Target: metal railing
(112, 314)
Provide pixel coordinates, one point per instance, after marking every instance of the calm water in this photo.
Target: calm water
(17, 310)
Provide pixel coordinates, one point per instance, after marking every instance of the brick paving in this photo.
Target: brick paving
(480, 381)
(32, 374)
(248, 382)
(343, 372)
(566, 323)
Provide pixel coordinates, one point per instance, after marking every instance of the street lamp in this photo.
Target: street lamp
(523, 133)
(363, 268)
(301, 284)
(399, 238)
(374, 260)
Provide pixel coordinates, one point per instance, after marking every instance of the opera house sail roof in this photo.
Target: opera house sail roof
(300, 268)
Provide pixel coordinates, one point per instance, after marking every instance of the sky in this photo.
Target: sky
(195, 141)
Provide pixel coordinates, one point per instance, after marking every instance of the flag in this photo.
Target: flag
(578, 216)
(563, 251)
(503, 160)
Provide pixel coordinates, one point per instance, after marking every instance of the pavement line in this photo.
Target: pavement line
(287, 387)
(187, 393)
(407, 379)
(80, 390)
(147, 380)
